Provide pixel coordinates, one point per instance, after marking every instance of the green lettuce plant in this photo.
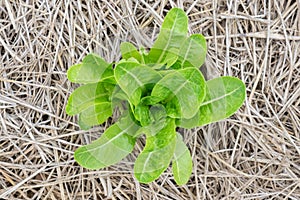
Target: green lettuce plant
(154, 92)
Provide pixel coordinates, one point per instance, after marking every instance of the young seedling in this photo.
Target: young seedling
(155, 92)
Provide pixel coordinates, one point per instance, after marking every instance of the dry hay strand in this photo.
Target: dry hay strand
(252, 155)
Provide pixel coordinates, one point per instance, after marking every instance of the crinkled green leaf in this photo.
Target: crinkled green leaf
(157, 113)
(157, 120)
(92, 69)
(150, 100)
(193, 51)
(157, 154)
(187, 85)
(172, 33)
(173, 108)
(113, 145)
(224, 96)
(142, 114)
(133, 79)
(182, 164)
(128, 82)
(128, 50)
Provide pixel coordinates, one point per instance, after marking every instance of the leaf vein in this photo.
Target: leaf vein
(221, 97)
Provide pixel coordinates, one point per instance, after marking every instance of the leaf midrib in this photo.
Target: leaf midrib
(169, 39)
(186, 53)
(221, 97)
(90, 102)
(132, 75)
(185, 82)
(176, 158)
(108, 141)
(149, 156)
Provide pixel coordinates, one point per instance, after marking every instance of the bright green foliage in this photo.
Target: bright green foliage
(157, 154)
(133, 78)
(157, 119)
(192, 52)
(128, 50)
(87, 96)
(187, 92)
(154, 92)
(224, 95)
(92, 102)
(172, 34)
(182, 164)
(142, 114)
(114, 142)
(92, 70)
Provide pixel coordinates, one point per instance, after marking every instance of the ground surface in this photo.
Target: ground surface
(253, 155)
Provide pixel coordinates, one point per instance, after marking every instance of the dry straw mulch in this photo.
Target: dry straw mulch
(253, 155)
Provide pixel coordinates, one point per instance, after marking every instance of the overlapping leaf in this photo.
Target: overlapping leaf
(97, 114)
(224, 96)
(157, 154)
(133, 78)
(92, 102)
(150, 100)
(153, 120)
(109, 149)
(92, 69)
(129, 51)
(187, 86)
(172, 33)
(193, 51)
(142, 114)
(129, 123)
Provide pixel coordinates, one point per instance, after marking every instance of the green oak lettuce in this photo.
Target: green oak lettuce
(153, 93)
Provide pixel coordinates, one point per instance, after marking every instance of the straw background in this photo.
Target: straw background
(255, 154)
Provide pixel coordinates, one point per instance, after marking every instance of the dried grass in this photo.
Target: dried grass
(253, 155)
